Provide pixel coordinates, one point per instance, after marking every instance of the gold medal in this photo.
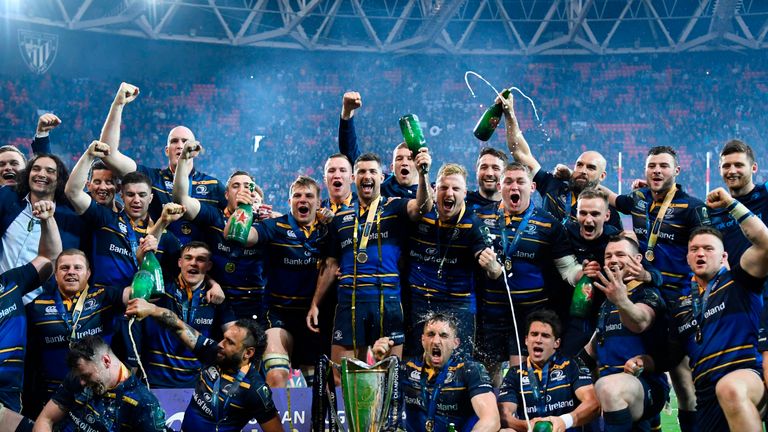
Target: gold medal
(229, 267)
(508, 265)
(362, 257)
(186, 229)
(649, 255)
(429, 426)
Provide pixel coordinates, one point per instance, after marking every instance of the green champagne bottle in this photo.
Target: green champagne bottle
(151, 265)
(412, 133)
(240, 223)
(142, 285)
(581, 302)
(451, 427)
(542, 426)
(487, 124)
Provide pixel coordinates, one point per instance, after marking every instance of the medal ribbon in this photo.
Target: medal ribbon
(509, 249)
(653, 231)
(450, 240)
(539, 388)
(356, 249)
(71, 321)
(310, 246)
(231, 392)
(567, 206)
(699, 301)
(439, 383)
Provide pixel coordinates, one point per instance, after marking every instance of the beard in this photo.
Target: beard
(231, 362)
(578, 187)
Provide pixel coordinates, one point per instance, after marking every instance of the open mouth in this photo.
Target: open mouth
(303, 210)
(193, 271)
(515, 197)
(589, 229)
(449, 204)
(9, 175)
(490, 181)
(41, 181)
(700, 262)
(71, 279)
(538, 350)
(337, 184)
(367, 186)
(436, 354)
(404, 171)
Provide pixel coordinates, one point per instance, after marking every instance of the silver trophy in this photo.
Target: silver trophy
(371, 396)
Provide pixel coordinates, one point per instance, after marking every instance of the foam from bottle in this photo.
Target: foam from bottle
(540, 124)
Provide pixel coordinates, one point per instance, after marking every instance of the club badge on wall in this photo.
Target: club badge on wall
(38, 49)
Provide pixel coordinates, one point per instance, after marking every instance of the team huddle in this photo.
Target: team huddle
(579, 324)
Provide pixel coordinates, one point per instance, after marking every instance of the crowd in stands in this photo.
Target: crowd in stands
(609, 104)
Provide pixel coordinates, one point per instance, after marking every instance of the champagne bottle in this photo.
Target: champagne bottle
(142, 285)
(487, 124)
(240, 222)
(412, 134)
(451, 427)
(581, 302)
(151, 265)
(542, 426)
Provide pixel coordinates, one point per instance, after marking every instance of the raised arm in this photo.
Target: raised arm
(347, 136)
(325, 279)
(181, 180)
(516, 142)
(49, 247)
(755, 259)
(423, 203)
(636, 317)
(141, 309)
(75, 187)
(45, 124)
(119, 163)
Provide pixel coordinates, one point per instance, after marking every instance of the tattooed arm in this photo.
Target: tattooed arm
(140, 309)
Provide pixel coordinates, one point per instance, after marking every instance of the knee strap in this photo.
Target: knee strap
(276, 361)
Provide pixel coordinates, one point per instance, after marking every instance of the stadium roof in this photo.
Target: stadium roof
(460, 27)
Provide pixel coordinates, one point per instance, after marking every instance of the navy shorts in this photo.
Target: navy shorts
(251, 308)
(307, 346)
(709, 414)
(655, 396)
(369, 322)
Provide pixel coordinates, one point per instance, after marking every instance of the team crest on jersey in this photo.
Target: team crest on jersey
(2, 288)
(531, 229)
(207, 397)
(489, 222)
(423, 228)
(525, 380)
(51, 310)
(201, 190)
(89, 418)
(455, 234)
(307, 253)
(290, 234)
(450, 376)
(557, 375)
(670, 211)
(169, 184)
(337, 335)
(431, 251)
(212, 373)
(641, 205)
(90, 304)
(415, 375)
(123, 227)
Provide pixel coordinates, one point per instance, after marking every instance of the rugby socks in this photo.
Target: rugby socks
(618, 421)
(687, 420)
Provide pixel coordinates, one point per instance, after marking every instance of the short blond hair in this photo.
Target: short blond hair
(452, 169)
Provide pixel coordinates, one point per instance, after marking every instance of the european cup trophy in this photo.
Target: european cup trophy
(371, 396)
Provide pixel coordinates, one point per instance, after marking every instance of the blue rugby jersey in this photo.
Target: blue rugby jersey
(464, 380)
(203, 187)
(291, 261)
(615, 344)
(558, 390)
(452, 244)
(239, 270)
(380, 274)
(728, 322)
(348, 203)
(250, 399)
(474, 201)
(13, 331)
(531, 268)
(734, 240)
(128, 407)
(168, 362)
(684, 214)
(558, 199)
(50, 319)
(592, 250)
(115, 237)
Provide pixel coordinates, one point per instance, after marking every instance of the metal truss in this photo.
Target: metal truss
(460, 27)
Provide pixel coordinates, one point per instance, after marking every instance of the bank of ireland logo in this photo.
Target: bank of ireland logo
(38, 49)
